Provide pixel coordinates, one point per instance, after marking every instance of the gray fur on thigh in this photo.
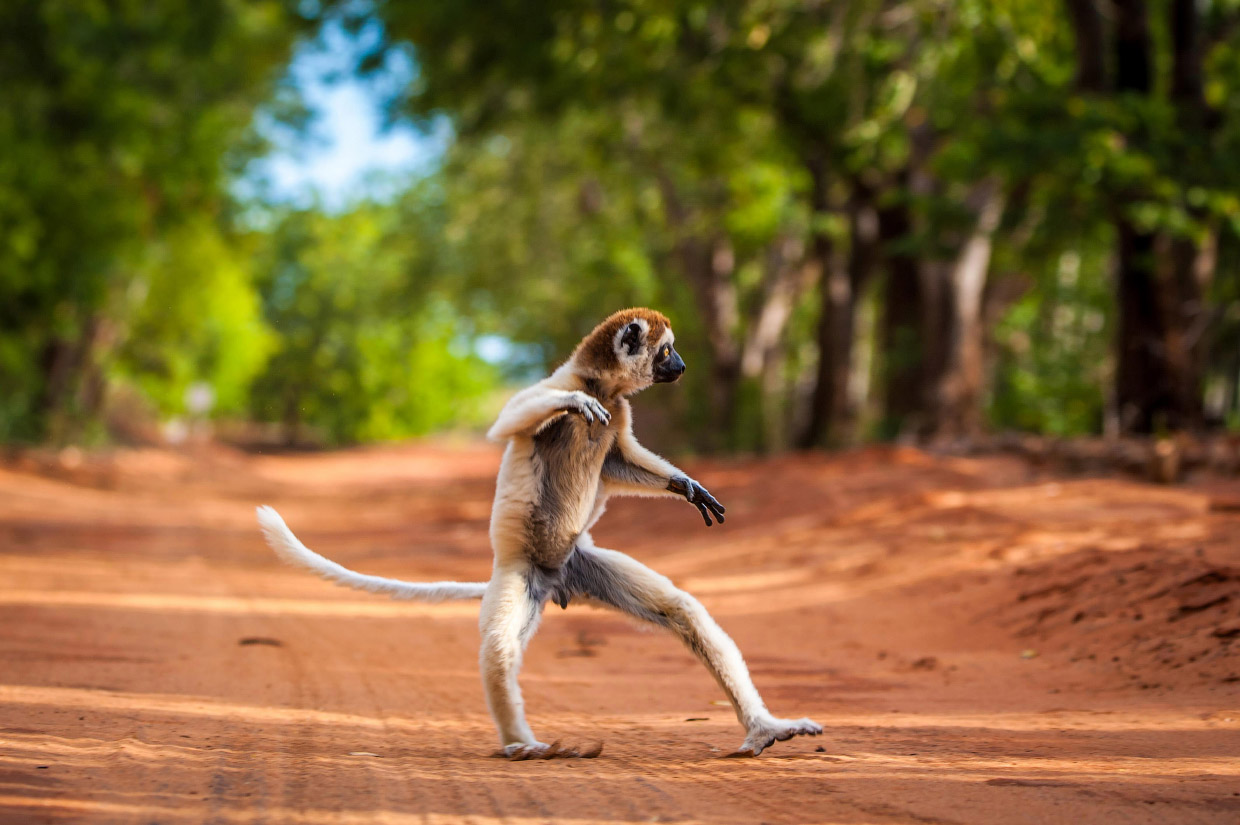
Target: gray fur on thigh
(583, 574)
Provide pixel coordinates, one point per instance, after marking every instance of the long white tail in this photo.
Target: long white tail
(289, 548)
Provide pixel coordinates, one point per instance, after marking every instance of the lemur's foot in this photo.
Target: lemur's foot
(769, 731)
(519, 751)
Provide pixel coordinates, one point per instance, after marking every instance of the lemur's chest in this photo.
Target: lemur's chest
(567, 462)
(570, 449)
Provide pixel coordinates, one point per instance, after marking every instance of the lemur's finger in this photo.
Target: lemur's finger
(705, 513)
(712, 501)
(698, 493)
(715, 506)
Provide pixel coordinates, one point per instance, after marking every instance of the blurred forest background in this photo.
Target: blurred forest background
(868, 219)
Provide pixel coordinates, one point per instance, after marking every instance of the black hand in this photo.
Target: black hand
(699, 497)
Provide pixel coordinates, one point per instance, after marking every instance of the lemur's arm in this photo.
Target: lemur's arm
(527, 411)
(631, 469)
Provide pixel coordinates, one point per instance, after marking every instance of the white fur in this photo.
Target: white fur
(290, 549)
(507, 621)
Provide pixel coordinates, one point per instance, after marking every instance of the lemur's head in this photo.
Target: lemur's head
(631, 350)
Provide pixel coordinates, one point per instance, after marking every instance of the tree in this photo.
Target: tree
(119, 125)
(854, 100)
(1168, 177)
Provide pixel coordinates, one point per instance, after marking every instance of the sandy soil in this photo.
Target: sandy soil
(983, 644)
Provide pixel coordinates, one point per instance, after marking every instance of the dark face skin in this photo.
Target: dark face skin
(668, 365)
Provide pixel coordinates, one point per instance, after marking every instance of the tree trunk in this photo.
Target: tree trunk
(833, 295)
(902, 322)
(1090, 45)
(1191, 261)
(785, 279)
(290, 421)
(1190, 269)
(831, 413)
(863, 257)
(1143, 395)
(1161, 326)
(1133, 69)
(1186, 53)
(958, 402)
(821, 255)
(67, 387)
(708, 267)
(1158, 375)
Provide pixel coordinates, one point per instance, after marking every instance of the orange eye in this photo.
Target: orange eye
(667, 351)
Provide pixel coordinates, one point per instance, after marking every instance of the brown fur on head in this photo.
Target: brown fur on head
(626, 349)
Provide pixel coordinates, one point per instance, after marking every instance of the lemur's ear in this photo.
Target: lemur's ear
(631, 338)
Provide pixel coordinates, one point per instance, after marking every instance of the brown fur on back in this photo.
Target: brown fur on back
(597, 350)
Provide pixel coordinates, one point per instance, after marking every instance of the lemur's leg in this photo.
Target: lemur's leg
(508, 619)
(624, 583)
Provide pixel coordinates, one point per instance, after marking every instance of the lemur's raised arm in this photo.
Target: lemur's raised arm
(632, 469)
(527, 411)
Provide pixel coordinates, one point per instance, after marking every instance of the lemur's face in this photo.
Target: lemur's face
(647, 354)
(630, 350)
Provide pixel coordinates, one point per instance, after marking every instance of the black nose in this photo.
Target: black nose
(669, 370)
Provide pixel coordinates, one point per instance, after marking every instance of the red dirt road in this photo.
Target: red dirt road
(982, 644)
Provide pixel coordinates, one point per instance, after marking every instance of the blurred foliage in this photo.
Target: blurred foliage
(366, 349)
(123, 262)
(119, 122)
(194, 317)
(1052, 366)
(734, 126)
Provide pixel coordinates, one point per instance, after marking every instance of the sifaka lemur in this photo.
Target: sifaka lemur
(570, 447)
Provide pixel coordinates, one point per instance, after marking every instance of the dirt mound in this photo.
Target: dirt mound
(1159, 616)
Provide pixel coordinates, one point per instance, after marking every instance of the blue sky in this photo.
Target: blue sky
(348, 152)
